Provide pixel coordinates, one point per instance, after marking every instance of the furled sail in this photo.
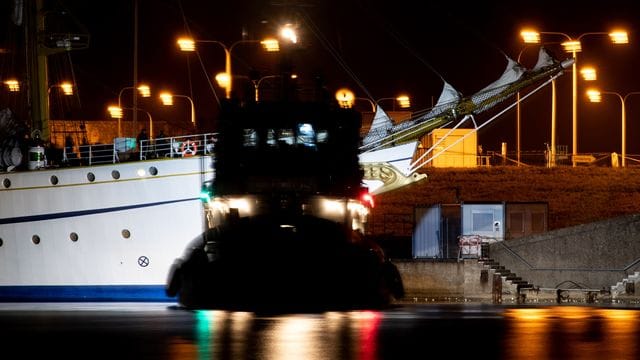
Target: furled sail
(388, 161)
(380, 126)
(511, 74)
(544, 60)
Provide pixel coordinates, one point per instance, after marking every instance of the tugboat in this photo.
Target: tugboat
(286, 217)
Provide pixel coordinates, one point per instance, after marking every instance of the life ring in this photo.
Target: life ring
(189, 148)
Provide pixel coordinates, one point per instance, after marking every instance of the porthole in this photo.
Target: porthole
(35, 239)
(73, 236)
(91, 177)
(115, 174)
(54, 180)
(153, 170)
(126, 234)
(6, 183)
(1, 242)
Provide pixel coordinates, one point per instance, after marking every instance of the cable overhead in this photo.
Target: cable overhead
(327, 45)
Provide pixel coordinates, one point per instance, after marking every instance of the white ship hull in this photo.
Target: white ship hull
(108, 239)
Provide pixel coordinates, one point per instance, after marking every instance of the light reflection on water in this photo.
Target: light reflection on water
(139, 331)
(571, 332)
(242, 335)
(553, 332)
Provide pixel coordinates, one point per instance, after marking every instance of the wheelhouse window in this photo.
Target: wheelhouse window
(286, 136)
(250, 138)
(306, 135)
(303, 135)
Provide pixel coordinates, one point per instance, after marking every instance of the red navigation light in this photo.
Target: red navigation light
(367, 198)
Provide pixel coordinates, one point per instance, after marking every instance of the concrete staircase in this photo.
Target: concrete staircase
(505, 282)
(626, 289)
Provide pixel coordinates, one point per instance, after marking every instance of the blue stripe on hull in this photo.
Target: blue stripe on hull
(52, 216)
(102, 293)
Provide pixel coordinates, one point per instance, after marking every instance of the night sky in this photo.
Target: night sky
(376, 48)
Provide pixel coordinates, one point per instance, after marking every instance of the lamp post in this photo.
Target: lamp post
(256, 83)
(535, 41)
(144, 91)
(573, 46)
(188, 44)
(595, 96)
(116, 113)
(67, 90)
(402, 100)
(167, 100)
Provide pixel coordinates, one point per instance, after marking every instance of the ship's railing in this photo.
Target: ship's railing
(178, 146)
(126, 149)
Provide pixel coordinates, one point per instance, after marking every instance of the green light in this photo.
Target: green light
(205, 193)
(205, 196)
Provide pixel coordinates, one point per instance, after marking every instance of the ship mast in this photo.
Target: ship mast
(37, 76)
(135, 67)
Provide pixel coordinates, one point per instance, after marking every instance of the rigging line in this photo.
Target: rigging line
(206, 75)
(395, 35)
(188, 31)
(204, 70)
(74, 79)
(414, 166)
(475, 32)
(333, 52)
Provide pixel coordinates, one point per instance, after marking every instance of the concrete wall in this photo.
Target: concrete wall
(595, 255)
(438, 279)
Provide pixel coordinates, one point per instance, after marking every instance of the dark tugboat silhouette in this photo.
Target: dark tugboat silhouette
(286, 213)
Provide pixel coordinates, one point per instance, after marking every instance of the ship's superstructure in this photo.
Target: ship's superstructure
(287, 215)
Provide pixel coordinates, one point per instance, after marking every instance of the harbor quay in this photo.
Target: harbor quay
(590, 263)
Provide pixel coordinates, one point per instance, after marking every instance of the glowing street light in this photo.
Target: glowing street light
(13, 85)
(67, 88)
(403, 101)
(345, 98)
(188, 45)
(143, 90)
(288, 32)
(167, 100)
(116, 112)
(595, 95)
(573, 46)
(589, 74)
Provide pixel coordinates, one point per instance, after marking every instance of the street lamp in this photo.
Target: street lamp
(13, 85)
(595, 96)
(167, 100)
(189, 44)
(573, 46)
(402, 100)
(345, 98)
(66, 87)
(117, 113)
(528, 40)
(144, 91)
(256, 83)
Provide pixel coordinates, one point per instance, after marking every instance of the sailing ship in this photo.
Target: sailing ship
(109, 229)
(103, 228)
